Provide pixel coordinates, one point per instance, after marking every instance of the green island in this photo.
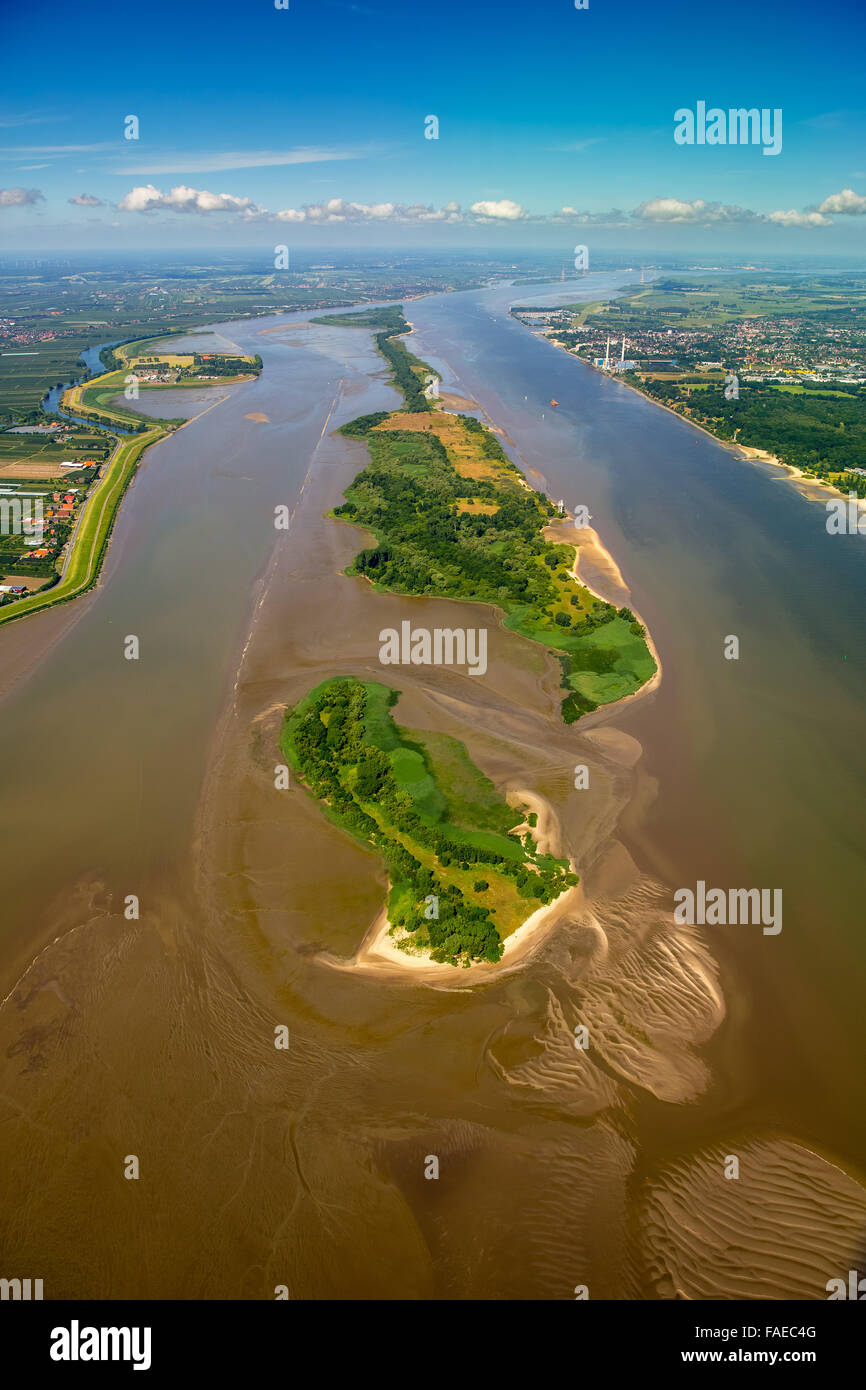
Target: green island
(79, 505)
(455, 518)
(460, 879)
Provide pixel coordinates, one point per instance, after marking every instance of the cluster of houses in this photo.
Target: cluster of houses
(164, 377)
(58, 508)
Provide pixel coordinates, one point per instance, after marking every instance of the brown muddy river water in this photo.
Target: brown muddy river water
(559, 1166)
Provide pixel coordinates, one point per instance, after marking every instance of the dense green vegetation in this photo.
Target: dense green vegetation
(413, 498)
(452, 516)
(420, 802)
(822, 433)
(385, 319)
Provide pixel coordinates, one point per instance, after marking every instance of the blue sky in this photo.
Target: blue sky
(317, 113)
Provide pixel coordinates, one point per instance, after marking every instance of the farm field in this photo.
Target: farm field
(94, 529)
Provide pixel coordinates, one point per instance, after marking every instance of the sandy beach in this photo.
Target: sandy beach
(380, 953)
(589, 546)
(379, 950)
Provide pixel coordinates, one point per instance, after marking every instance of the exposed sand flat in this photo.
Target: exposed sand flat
(617, 745)
(647, 991)
(545, 832)
(459, 403)
(788, 1224)
(569, 1227)
(259, 418)
(541, 1062)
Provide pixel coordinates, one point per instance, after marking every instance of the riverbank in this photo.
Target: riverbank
(91, 534)
(89, 541)
(381, 953)
(595, 553)
(467, 450)
(809, 485)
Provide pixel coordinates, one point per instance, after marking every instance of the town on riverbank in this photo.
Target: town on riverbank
(774, 363)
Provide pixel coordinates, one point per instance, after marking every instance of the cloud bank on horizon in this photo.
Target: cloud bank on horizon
(544, 118)
(148, 199)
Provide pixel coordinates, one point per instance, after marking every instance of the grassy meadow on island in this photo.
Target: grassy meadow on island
(454, 518)
(460, 880)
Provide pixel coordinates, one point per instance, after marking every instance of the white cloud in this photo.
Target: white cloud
(190, 163)
(20, 197)
(577, 146)
(22, 151)
(147, 198)
(29, 119)
(793, 218)
(677, 210)
(669, 210)
(847, 202)
(695, 212)
(86, 200)
(338, 210)
(503, 211)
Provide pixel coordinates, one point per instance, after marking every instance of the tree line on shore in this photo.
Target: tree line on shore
(332, 751)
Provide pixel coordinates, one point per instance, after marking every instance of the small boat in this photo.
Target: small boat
(554, 402)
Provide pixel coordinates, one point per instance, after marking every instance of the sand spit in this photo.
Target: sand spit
(545, 832)
(380, 952)
(787, 1225)
(592, 551)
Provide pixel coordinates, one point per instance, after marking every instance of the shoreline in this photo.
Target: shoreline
(747, 453)
(596, 544)
(379, 953)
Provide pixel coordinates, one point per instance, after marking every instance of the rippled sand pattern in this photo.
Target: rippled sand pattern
(788, 1224)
